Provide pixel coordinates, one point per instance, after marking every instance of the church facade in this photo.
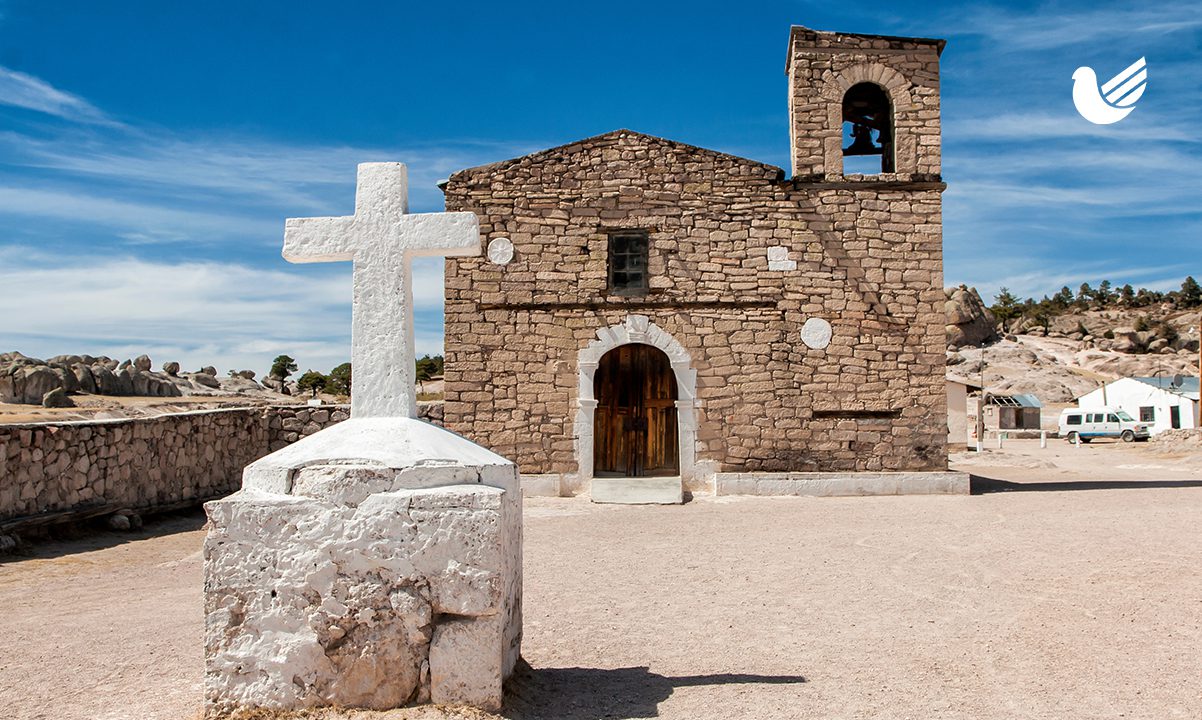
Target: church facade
(653, 314)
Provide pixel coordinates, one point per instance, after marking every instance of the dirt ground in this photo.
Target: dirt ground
(101, 407)
(1072, 594)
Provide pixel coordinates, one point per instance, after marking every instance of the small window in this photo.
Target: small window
(1112, 418)
(1147, 414)
(1093, 418)
(628, 262)
(1073, 420)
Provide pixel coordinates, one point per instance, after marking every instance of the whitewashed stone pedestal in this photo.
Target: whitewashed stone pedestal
(375, 564)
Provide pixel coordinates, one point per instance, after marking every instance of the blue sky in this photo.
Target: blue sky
(150, 151)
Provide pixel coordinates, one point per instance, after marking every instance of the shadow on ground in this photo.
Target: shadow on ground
(596, 694)
(982, 485)
(93, 534)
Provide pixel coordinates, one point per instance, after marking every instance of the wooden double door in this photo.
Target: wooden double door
(635, 432)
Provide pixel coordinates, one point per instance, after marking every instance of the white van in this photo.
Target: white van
(1103, 422)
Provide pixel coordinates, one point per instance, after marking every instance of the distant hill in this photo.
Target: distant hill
(1063, 346)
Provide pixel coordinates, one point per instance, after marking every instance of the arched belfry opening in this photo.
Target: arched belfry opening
(867, 130)
(636, 433)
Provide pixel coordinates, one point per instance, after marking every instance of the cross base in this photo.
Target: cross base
(375, 564)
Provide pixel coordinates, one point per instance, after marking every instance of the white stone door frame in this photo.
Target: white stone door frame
(636, 330)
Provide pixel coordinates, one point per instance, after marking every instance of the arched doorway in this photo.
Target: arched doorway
(636, 433)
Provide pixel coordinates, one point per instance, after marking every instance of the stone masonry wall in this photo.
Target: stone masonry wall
(868, 260)
(148, 462)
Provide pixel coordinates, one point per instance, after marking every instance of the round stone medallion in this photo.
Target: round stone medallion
(500, 251)
(816, 333)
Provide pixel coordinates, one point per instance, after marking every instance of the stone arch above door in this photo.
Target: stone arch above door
(636, 329)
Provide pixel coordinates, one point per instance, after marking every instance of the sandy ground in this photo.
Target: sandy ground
(1063, 603)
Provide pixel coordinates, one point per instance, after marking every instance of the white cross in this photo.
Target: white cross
(380, 239)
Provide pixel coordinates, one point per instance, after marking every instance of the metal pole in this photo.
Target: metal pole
(1043, 438)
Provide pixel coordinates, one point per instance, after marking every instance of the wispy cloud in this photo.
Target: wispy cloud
(25, 91)
(249, 170)
(143, 222)
(1049, 27)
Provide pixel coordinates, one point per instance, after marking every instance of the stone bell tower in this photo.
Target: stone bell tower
(853, 94)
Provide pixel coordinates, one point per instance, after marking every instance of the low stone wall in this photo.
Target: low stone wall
(289, 423)
(139, 463)
(145, 463)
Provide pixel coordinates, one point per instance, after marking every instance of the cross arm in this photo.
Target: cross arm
(320, 239)
(442, 234)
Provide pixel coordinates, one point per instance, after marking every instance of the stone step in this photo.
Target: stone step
(638, 491)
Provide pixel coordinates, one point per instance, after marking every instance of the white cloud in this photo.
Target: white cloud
(198, 313)
(1048, 27)
(25, 91)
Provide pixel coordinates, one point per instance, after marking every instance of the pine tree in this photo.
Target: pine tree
(312, 381)
(282, 367)
(1005, 307)
(1191, 293)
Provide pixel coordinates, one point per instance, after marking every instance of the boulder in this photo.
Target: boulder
(206, 379)
(66, 377)
(1126, 340)
(35, 381)
(163, 387)
(141, 383)
(8, 387)
(209, 370)
(248, 374)
(85, 378)
(969, 321)
(106, 379)
(57, 398)
(142, 362)
(171, 368)
(125, 381)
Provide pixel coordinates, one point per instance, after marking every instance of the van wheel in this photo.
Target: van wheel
(1128, 436)
(1071, 437)
(1086, 440)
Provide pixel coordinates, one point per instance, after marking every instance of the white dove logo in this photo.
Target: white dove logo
(1113, 101)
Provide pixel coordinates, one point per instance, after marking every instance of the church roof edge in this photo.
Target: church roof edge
(597, 139)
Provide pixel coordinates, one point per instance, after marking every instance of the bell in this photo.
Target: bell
(861, 142)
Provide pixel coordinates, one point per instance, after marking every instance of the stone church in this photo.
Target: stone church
(652, 318)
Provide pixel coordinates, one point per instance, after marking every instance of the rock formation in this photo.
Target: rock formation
(969, 321)
(31, 381)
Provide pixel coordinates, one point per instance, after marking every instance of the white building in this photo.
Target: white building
(957, 411)
(1158, 402)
